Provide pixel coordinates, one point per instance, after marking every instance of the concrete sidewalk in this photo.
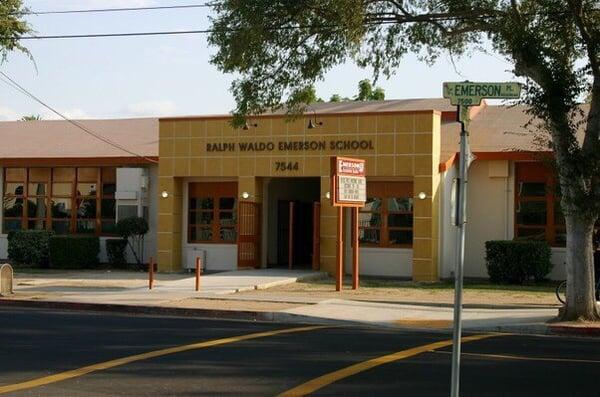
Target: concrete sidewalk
(175, 294)
(131, 288)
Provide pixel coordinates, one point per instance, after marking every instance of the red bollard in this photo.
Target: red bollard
(198, 271)
(151, 273)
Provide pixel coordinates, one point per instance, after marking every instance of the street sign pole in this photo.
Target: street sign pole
(458, 272)
(464, 94)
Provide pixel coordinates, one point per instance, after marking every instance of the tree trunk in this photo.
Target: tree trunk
(581, 302)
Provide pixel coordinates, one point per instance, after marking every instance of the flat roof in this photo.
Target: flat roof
(494, 129)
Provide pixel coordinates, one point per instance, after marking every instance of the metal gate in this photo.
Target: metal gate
(248, 234)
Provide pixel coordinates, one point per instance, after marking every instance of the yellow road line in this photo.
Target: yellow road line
(145, 356)
(327, 379)
(523, 358)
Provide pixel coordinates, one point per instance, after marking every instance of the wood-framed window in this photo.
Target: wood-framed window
(212, 212)
(386, 220)
(537, 208)
(62, 199)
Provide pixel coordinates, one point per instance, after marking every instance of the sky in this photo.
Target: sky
(170, 75)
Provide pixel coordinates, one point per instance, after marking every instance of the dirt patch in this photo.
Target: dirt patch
(404, 293)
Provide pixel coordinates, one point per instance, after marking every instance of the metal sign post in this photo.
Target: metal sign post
(463, 95)
(349, 188)
(461, 223)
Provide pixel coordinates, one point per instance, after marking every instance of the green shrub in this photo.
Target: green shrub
(133, 230)
(29, 247)
(115, 251)
(517, 262)
(74, 252)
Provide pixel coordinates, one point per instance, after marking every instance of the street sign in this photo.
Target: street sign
(468, 93)
(348, 181)
(465, 94)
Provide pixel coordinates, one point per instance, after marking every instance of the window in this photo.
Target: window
(63, 199)
(537, 209)
(212, 212)
(386, 220)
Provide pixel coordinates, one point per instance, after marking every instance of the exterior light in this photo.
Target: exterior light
(247, 126)
(422, 196)
(327, 195)
(313, 123)
(164, 194)
(245, 195)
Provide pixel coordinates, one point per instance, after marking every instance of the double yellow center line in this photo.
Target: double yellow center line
(301, 390)
(145, 356)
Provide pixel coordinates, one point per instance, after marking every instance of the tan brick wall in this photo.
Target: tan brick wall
(401, 145)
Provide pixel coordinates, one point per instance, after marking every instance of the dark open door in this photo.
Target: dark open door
(248, 234)
(316, 240)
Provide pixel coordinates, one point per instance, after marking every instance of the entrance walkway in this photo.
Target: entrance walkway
(132, 287)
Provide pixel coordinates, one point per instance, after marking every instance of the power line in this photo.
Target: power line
(123, 9)
(13, 84)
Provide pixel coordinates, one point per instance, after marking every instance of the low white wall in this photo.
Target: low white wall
(559, 271)
(218, 256)
(386, 262)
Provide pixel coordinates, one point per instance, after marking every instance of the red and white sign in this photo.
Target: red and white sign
(346, 166)
(348, 182)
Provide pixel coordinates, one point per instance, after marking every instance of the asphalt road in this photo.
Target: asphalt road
(45, 353)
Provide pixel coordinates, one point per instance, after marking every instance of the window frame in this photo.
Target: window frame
(49, 197)
(535, 172)
(214, 191)
(386, 191)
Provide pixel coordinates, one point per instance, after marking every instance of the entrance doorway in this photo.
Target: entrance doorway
(291, 219)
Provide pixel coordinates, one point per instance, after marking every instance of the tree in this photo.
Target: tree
(280, 47)
(12, 27)
(31, 117)
(367, 93)
(133, 230)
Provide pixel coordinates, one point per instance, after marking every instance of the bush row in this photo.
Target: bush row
(44, 249)
(517, 262)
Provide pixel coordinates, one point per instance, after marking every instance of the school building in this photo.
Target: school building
(259, 196)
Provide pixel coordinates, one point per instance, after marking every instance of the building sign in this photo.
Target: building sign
(351, 189)
(291, 146)
(471, 93)
(349, 184)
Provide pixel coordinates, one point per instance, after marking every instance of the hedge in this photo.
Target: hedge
(517, 262)
(74, 252)
(115, 251)
(29, 247)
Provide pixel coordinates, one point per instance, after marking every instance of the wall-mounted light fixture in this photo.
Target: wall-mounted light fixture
(247, 126)
(245, 195)
(422, 196)
(327, 195)
(313, 123)
(164, 194)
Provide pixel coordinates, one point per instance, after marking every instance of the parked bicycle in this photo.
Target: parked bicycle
(561, 292)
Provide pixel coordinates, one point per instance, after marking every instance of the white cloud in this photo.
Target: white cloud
(73, 113)
(151, 108)
(8, 114)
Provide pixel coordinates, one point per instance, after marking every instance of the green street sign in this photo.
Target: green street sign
(469, 93)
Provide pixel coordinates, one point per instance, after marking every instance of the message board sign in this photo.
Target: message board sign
(349, 183)
(469, 93)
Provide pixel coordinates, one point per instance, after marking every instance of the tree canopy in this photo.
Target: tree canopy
(278, 48)
(12, 27)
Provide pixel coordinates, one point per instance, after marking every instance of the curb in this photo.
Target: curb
(568, 330)
(243, 315)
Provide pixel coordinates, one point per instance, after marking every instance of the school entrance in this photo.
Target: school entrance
(293, 206)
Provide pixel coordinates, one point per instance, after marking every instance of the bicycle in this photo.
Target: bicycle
(561, 292)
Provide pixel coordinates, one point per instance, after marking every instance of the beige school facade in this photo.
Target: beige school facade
(259, 196)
